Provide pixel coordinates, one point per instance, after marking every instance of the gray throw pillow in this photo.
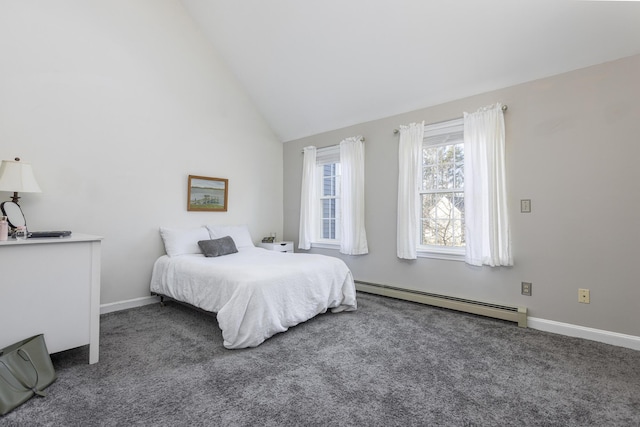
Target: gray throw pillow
(218, 247)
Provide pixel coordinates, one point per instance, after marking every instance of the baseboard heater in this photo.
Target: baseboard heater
(497, 311)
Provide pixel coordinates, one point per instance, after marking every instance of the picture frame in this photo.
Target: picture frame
(207, 194)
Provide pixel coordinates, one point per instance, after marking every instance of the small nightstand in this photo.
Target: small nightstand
(278, 246)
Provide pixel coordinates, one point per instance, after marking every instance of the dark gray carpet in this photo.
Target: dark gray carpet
(389, 363)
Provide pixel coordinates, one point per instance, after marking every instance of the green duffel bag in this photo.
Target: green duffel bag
(25, 370)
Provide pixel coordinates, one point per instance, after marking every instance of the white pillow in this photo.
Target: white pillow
(239, 233)
(180, 241)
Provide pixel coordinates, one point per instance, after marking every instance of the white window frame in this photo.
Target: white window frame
(326, 156)
(431, 133)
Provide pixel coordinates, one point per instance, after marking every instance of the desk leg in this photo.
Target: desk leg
(94, 322)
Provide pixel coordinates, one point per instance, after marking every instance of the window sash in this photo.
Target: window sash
(442, 222)
(441, 225)
(328, 226)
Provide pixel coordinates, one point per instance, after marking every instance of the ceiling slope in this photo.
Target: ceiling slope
(313, 66)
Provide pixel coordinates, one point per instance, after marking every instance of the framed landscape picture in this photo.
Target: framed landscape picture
(207, 194)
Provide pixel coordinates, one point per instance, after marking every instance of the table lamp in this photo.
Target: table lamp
(16, 176)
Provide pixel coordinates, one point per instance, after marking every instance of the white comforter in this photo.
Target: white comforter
(257, 293)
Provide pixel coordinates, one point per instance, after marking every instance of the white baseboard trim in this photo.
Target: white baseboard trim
(123, 305)
(613, 338)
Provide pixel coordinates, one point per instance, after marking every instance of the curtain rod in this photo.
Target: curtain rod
(396, 131)
(335, 145)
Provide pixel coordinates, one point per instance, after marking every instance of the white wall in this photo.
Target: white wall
(115, 103)
(573, 149)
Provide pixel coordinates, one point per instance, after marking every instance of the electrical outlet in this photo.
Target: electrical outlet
(583, 296)
(525, 205)
(525, 288)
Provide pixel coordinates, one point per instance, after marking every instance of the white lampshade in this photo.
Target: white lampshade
(17, 176)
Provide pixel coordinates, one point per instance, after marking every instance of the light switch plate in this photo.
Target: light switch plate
(525, 205)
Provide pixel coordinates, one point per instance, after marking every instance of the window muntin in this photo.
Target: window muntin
(442, 188)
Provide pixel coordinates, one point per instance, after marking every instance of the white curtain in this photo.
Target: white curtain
(409, 176)
(353, 239)
(485, 194)
(307, 198)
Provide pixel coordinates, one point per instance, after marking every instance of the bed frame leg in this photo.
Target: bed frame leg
(162, 301)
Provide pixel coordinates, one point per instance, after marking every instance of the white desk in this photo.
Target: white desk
(51, 286)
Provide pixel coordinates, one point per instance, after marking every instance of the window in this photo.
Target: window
(455, 173)
(441, 226)
(330, 200)
(329, 172)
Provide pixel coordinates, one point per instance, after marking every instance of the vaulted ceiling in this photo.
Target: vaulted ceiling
(316, 65)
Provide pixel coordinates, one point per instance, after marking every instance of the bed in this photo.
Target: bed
(255, 293)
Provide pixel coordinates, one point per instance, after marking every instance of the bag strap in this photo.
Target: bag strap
(4, 373)
(26, 358)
